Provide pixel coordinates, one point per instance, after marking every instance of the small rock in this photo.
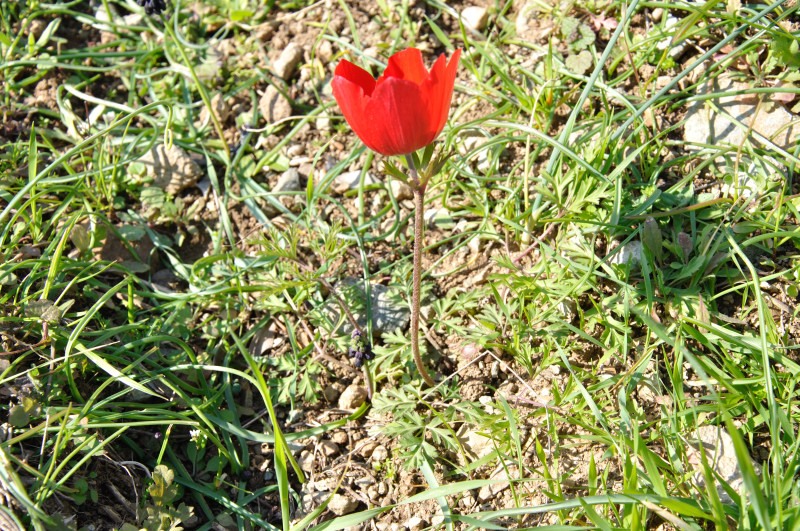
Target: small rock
(307, 461)
(704, 125)
(289, 181)
(323, 122)
(468, 500)
(630, 253)
(274, 106)
(568, 309)
(172, 169)
(350, 181)
(329, 448)
(720, 455)
(352, 397)
(475, 17)
(221, 109)
(415, 523)
(389, 309)
(657, 14)
(341, 505)
(366, 450)
(312, 500)
(287, 62)
(476, 445)
(330, 393)
(380, 453)
(325, 51)
(339, 437)
(264, 340)
(400, 190)
(490, 491)
(295, 150)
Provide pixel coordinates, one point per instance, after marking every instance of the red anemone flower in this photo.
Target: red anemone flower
(403, 110)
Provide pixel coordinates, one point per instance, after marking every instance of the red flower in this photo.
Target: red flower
(403, 110)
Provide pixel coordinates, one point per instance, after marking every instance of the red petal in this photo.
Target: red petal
(439, 88)
(399, 123)
(355, 74)
(406, 65)
(352, 100)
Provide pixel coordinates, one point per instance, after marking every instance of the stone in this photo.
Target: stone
(325, 51)
(367, 449)
(475, 17)
(379, 454)
(220, 107)
(341, 505)
(340, 437)
(720, 455)
(330, 393)
(289, 181)
(274, 106)
(329, 448)
(388, 307)
(286, 64)
(323, 122)
(400, 190)
(415, 523)
(172, 169)
(307, 461)
(350, 181)
(476, 445)
(758, 119)
(488, 492)
(630, 253)
(667, 42)
(352, 397)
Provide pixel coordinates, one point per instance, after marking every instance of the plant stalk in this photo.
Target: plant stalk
(416, 279)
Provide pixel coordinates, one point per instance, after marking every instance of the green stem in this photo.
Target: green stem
(416, 279)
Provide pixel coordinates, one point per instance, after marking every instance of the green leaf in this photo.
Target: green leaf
(580, 63)
(786, 50)
(18, 417)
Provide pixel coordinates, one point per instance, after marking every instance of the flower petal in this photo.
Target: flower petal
(398, 123)
(439, 87)
(352, 101)
(406, 65)
(355, 74)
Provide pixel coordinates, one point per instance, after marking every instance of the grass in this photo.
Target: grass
(137, 390)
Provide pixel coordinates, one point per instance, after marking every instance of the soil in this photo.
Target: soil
(366, 466)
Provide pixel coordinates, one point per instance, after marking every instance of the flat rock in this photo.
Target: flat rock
(488, 492)
(286, 64)
(476, 445)
(719, 455)
(350, 181)
(352, 397)
(289, 181)
(757, 119)
(341, 504)
(274, 106)
(388, 308)
(630, 253)
(400, 190)
(220, 107)
(172, 169)
(475, 17)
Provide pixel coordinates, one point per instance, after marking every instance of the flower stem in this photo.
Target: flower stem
(419, 226)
